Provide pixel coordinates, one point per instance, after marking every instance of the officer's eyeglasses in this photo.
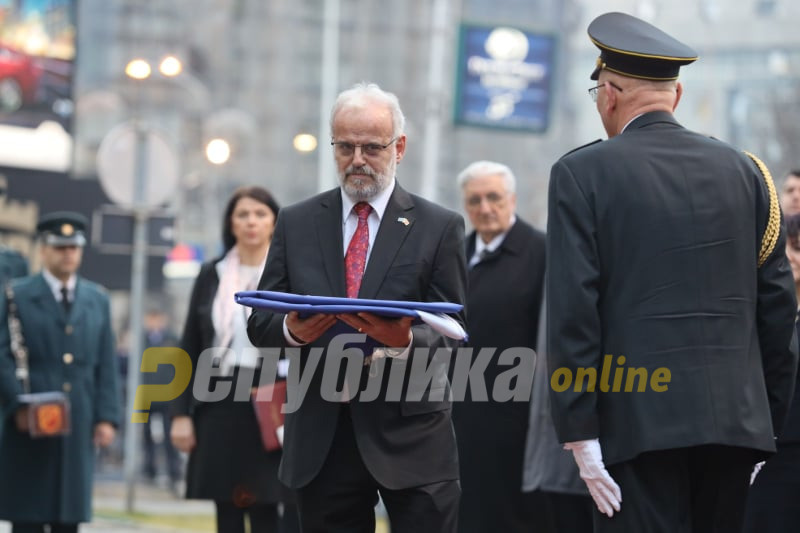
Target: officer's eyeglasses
(346, 149)
(593, 90)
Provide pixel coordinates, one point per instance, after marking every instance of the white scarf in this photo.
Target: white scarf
(224, 306)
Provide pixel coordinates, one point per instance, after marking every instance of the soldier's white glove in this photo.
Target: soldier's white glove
(756, 469)
(604, 490)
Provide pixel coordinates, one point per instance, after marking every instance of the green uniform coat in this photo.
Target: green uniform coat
(50, 479)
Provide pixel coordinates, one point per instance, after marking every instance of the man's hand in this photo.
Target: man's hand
(21, 419)
(182, 433)
(103, 434)
(604, 490)
(305, 330)
(392, 332)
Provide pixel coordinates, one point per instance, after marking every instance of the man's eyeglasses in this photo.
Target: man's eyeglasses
(346, 149)
(593, 90)
(493, 198)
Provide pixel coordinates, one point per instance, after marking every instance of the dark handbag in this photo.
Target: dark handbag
(267, 403)
(48, 412)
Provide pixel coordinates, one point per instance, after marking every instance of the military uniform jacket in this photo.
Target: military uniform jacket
(653, 239)
(50, 479)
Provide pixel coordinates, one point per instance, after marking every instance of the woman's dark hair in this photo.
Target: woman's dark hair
(259, 194)
(792, 227)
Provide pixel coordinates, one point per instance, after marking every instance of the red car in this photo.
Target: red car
(19, 79)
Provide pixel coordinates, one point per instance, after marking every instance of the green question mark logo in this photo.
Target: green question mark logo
(146, 394)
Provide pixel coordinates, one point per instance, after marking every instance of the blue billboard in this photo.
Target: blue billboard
(504, 78)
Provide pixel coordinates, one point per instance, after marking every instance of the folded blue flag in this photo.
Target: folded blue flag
(431, 307)
(432, 313)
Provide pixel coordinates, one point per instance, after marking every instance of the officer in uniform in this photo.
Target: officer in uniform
(665, 257)
(66, 327)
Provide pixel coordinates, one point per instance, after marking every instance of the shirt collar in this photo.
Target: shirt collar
(495, 243)
(378, 203)
(55, 284)
(629, 122)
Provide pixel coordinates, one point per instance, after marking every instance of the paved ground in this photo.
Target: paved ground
(156, 510)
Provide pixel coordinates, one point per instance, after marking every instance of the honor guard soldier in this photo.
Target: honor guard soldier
(55, 340)
(666, 256)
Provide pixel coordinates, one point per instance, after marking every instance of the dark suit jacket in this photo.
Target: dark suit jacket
(405, 443)
(505, 289)
(653, 239)
(54, 475)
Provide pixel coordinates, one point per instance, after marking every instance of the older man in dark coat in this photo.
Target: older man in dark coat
(506, 259)
(66, 324)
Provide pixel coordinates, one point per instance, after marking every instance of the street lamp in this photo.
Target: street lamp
(170, 66)
(304, 142)
(138, 69)
(218, 151)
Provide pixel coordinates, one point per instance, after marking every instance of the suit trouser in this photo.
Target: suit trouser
(700, 489)
(342, 498)
(773, 503)
(569, 512)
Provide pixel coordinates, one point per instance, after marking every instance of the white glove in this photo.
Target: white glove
(604, 490)
(756, 470)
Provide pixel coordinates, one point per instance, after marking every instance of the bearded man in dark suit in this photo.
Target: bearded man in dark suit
(371, 239)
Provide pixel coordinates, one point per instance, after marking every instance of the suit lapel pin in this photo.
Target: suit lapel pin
(403, 220)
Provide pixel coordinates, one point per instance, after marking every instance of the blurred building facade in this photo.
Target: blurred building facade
(252, 74)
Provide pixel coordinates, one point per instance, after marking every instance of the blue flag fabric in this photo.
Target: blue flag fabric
(432, 313)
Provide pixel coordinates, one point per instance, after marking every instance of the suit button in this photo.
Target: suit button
(68, 329)
(68, 358)
(67, 387)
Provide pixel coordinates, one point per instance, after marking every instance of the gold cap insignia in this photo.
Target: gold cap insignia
(67, 229)
(600, 63)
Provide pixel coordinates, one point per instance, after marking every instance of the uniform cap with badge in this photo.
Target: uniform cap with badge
(632, 47)
(63, 228)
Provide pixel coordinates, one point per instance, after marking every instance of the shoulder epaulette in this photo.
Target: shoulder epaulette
(581, 147)
(773, 229)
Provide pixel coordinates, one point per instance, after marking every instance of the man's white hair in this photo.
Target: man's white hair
(488, 168)
(363, 93)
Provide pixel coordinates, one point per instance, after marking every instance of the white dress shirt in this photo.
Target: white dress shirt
(56, 284)
(350, 219)
(489, 247)
(349, 225)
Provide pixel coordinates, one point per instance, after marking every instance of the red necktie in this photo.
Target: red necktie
(356, 257)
